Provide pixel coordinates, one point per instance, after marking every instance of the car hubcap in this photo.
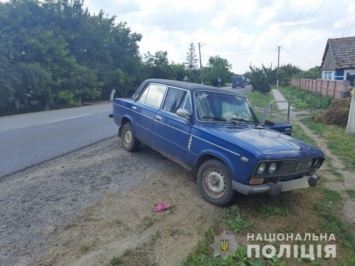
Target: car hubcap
(128, 137)
(215, 182)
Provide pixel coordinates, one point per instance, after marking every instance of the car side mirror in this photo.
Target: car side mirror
(183, 113)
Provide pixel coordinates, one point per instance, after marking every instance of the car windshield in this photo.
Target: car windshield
(222, 107)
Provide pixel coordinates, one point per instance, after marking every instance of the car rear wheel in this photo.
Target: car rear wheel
(129, 141)
(215, 183)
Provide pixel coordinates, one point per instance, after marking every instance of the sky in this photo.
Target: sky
(245, 32)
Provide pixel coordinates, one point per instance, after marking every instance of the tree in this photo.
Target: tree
(81, 56)
(191, 58)
(158, 65)
(179, 72)
(217, 68)
(312, 73)
(286, 72)
(259, 79)
(35, 86)
(9, 77)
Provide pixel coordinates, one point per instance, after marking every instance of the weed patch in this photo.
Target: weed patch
(351, 193)
(303, 99)
(268, 210)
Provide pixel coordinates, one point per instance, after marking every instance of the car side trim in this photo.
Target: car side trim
(216, 145)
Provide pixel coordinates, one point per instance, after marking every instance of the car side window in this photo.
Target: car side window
(175, 99)
(153, 95)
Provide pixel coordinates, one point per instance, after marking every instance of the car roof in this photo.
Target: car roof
(183, 85)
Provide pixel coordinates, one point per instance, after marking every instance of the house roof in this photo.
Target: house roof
(343, 51)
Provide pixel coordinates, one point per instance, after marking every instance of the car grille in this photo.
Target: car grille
(293, 167)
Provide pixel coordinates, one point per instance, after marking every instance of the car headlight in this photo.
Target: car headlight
(272, 168)
(315, 162)
(261, 168)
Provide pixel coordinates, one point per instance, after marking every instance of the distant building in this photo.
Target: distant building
(338, 62)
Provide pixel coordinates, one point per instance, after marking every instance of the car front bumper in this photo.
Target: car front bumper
(275, 189)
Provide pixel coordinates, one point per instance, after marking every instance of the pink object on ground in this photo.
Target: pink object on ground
(162, 207)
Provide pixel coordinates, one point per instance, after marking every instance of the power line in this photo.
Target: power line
(319, 7)
(352, 16)
(298, 16)
(300, 57)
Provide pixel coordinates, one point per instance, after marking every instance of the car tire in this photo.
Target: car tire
(215, 183)
(129, 141)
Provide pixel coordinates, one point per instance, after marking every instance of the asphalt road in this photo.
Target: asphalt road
(29, 139)
(243, 91)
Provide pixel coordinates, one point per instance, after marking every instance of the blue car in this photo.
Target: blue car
(215, 134)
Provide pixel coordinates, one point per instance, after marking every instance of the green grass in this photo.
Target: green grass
(298, 133)
(337, 141)
(351, 193)
(269, 210)
(260, 100)
(303, 99)
(236, 221)
(115, 261)
(332, 196)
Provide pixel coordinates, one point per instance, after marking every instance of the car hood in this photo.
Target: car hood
(266, 142)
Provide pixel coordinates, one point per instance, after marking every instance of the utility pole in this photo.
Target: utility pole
(199, 52)
(278, 65)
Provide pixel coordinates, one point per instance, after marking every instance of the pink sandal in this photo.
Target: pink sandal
(162, 207)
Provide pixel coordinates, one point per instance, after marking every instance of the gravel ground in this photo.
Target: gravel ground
(33, 201)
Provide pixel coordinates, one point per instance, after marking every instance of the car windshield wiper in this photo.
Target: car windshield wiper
(214, 118)
(235, 120)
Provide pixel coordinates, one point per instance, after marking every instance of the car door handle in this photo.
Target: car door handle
(134, 108)
(158, 118)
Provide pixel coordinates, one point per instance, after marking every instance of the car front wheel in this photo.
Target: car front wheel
(129, 141)
(215, 183)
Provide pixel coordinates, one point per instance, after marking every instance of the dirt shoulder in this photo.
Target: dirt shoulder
(331, 181)
(96, 203)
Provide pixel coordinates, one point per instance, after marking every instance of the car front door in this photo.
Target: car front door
(144, 110)
(171, 132)
(277, 117)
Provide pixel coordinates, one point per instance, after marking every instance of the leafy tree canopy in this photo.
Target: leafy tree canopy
(56, 52)
(218, 71)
